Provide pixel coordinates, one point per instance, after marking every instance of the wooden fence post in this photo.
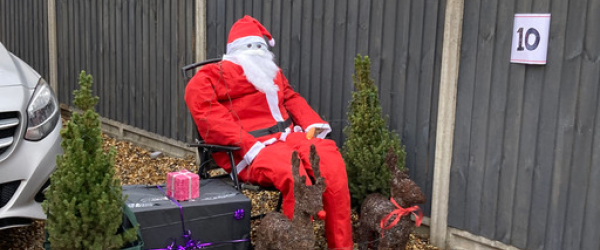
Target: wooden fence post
(446, 121)
(200, 30)
(52, 53)
(200, 55)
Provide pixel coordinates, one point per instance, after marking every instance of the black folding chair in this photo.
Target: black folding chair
(205, 152)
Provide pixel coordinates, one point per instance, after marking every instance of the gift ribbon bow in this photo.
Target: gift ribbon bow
(399, 212)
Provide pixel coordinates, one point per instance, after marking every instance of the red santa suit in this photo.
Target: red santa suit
(227, 108)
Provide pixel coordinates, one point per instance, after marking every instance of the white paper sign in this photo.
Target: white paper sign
(530, 38)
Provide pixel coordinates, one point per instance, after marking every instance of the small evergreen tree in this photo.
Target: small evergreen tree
(368, 138)
(84, 204)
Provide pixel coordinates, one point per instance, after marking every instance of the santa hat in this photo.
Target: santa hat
(247, 30)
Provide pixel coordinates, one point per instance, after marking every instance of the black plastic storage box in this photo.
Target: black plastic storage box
(218, 219)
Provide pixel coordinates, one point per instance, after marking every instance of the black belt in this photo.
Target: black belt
(279, 127)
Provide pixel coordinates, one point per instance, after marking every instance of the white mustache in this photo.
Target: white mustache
(253, 52)
(259, 68)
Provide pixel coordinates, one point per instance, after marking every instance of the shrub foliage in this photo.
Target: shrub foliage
(368, 138)
(84, 204)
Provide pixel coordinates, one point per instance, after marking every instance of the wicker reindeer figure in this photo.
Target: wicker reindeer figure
(276, 231)
(381, 219)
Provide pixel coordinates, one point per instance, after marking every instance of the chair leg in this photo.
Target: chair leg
(204, 162)
(234, 173)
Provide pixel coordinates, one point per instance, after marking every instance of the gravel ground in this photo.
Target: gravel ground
(135, 166)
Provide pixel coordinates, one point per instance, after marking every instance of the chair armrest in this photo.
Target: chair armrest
(214, 148)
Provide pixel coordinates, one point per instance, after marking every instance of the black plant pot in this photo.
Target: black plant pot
(129, 221)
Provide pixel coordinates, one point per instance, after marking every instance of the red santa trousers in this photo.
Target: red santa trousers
(273, 167)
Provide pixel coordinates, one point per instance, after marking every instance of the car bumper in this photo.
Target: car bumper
(29, 165)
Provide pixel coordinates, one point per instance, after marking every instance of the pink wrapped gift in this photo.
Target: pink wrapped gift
(183, 185)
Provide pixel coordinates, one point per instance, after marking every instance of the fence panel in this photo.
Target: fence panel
(525, 152)
(134, 50)
(24, 32)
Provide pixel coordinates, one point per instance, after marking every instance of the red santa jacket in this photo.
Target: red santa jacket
(226, 107)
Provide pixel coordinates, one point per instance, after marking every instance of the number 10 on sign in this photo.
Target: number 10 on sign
(530, 38)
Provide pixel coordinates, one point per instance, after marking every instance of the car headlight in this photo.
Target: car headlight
(42, 112)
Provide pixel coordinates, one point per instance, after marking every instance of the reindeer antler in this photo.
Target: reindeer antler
(296, 167)
(315, 163)
(391, 160)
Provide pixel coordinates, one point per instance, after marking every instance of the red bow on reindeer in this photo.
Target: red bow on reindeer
(399, 212)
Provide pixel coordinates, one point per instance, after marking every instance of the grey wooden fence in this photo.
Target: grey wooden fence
(527, 140)
(135, 50)
(24, 32)
(526, 149)
(316, 45)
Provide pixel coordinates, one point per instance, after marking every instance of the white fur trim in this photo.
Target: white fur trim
(326, 129)
(243, 41)
(272, 42)
(273, 102)
(254, 150)
(241, 166)
(285, 134)
(269, 141)
(250, 155)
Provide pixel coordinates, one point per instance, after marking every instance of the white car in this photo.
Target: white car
(29, 140)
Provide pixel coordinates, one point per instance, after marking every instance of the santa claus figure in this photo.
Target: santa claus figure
(246, 101)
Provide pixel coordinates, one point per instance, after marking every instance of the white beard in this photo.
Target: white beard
(259, 68)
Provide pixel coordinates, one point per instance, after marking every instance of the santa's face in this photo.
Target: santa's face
(257, 62)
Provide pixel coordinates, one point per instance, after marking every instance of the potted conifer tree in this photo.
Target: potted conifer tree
(84, 203)
(368, 138)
